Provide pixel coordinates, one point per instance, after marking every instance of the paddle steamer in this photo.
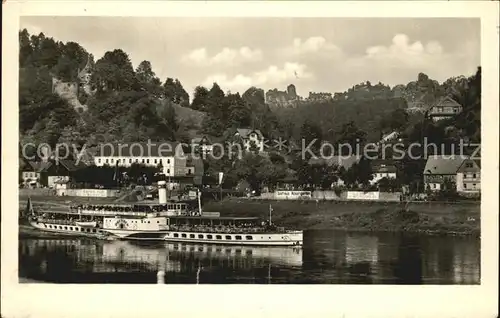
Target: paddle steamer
(165, 221)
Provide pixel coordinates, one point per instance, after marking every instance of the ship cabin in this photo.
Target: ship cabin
(139, 209)
(205, 223)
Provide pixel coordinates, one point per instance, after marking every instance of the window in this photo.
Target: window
(238, 237)
(168, 161)
(147, 160)
(228, 237)
(209, 236)
(142, 160)
(107, 160)
(176, 235)
(117, 160)
(156, 160)
(468, 165)
(65, 227)
(130, 161)
(99, 160)
(219, 237)
(249, 237)
(200, 236)
(465, 185)
(112, 161)
(168, 171)
(136, 160)
(191, 236)
(474, 175)
(474, 185)
(183, 235)
(189, 171)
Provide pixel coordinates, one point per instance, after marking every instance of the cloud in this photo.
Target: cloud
(265, 78)
(313, 45)
(227, 56)
(394, 63)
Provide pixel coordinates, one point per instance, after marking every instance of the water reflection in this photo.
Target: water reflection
(327, 257)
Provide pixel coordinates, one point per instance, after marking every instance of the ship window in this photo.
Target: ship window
(71, 229)
(142, 160)
(228, 237)
(82, 230)
(191, 236)
(183, 235)
(200, 236)
(238, 237)
(130, 161)
(94, 230)
(178, 206)
(176, 235)
(65, 227)
(147, 160)
(158, 222)
(209, 236)
(219, 237)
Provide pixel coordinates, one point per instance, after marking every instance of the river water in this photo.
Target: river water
(327, 257)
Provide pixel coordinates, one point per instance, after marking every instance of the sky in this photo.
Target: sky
(314, 54)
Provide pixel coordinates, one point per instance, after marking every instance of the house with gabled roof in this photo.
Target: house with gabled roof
(383, 169)
(250, 137)
(445, 108)
(469, 177)
(440, 169)
(48, 173)
(202, 144)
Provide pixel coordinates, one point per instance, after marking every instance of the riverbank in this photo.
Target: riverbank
(432, 218)
(424, 217)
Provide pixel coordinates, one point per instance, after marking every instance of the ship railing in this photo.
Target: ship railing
(227, 230)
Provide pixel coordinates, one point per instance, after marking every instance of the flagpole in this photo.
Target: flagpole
(270, 214)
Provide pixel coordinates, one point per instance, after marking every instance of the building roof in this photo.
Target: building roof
(341, 161)
(378, 168)
(390, 136)
(445, 101)
(476, 161)
(244, 132)
(136, 149)
(38, 166)
(439, 164)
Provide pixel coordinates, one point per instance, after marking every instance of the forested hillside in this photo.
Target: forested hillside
(127, 104)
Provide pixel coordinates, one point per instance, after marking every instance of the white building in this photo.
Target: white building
(383, 169)
(249, 137)
(168, 155)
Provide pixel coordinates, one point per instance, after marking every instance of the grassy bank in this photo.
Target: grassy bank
(439, 218)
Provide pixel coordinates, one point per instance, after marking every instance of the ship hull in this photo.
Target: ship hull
(292, 238)
(65, 229)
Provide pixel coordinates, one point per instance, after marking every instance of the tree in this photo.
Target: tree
(351, 135)
(114, 72)
(311, 133)
(239, 114)
(25, 48)
(200, 99)
(215, 101)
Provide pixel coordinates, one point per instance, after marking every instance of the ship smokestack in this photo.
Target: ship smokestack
(162, 192)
